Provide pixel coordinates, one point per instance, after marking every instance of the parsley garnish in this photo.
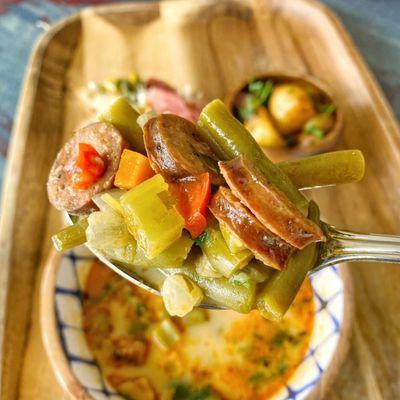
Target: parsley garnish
(184, 392)
(202, 239)
(326, 108)
(282, 367)
(257, 377)
(258, 94)
(240, 279)
(313, 130)
(140, 309)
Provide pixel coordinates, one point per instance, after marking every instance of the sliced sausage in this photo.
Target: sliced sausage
(266, 246)
(273, 209)
(175, 149)
(109, 143)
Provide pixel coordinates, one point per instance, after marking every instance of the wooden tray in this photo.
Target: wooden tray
(212, 45)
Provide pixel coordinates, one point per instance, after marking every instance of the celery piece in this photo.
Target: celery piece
(151, 218)
(277, 295)
(180, 294)
(222, 291)
(219, 255)
(195, 317)
(172, 257)
(165, 334)
(107, 232)
(204, 267)
(123, 116)
(111, 198)
(71, 236)
(234, 243)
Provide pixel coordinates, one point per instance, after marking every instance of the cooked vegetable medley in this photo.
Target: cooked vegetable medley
(208, 355)
(201, 202)
(285, 113)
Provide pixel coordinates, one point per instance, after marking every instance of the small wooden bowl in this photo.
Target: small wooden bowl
(297, 151)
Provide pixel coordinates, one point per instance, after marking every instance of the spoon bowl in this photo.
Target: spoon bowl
(340, 246)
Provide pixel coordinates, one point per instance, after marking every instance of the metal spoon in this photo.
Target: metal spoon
(340, 246)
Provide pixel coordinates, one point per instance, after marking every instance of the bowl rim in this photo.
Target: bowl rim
(72, 386)
(332, 136)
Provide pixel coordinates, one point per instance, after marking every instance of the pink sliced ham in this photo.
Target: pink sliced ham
(164, 99)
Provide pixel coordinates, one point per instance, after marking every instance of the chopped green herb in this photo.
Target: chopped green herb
(258, 94)
(315, 131)
(125, 86)
(257, 377)
(326, 108)
(261, 90)
(282, 367)
(249, 107)
(140, 309)
(138, 327)
(280, 338)
(202, 239)
(185, 392)
(240, 279)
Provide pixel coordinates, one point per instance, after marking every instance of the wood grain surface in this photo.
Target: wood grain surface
(212, 46)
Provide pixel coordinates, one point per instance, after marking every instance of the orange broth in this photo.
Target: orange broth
(219, 355)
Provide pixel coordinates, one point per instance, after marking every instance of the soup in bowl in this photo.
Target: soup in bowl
(117, 341)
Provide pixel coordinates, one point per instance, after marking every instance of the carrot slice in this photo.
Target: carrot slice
(134, 168)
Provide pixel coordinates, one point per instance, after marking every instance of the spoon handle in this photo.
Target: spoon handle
(345, 246)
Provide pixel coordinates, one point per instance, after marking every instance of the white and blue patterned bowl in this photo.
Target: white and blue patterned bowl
(82, 378)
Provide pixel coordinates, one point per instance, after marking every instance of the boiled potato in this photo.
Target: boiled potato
(323, 122)
(291, 107)
(263, 130)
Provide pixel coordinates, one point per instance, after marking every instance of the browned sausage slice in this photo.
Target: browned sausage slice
(175, 149)
(108, 142)
(266, 246)
(269, 204)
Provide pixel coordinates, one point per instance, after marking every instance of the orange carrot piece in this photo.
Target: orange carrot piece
(134, 168)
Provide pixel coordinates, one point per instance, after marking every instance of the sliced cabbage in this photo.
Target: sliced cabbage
(107, 232)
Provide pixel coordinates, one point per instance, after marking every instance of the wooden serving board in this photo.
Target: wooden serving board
(211, 45)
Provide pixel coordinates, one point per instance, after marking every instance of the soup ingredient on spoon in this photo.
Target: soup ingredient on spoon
(176, 150)
(180, 295)
(108, 144)
(269, 204)
(192, 195)
(265, 245)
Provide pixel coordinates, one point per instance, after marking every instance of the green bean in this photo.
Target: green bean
(277, 295)
(239, 298)
(123, 116)
(71, 236)
(325, 169)
(229, 139)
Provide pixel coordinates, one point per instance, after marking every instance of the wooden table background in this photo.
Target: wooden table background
(375, 30)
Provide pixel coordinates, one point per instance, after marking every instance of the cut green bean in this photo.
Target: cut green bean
(239, 298)
(229, 139)
(71, 236)
(259, 271)
(333, 168)
(280, 290)
(123, 116)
